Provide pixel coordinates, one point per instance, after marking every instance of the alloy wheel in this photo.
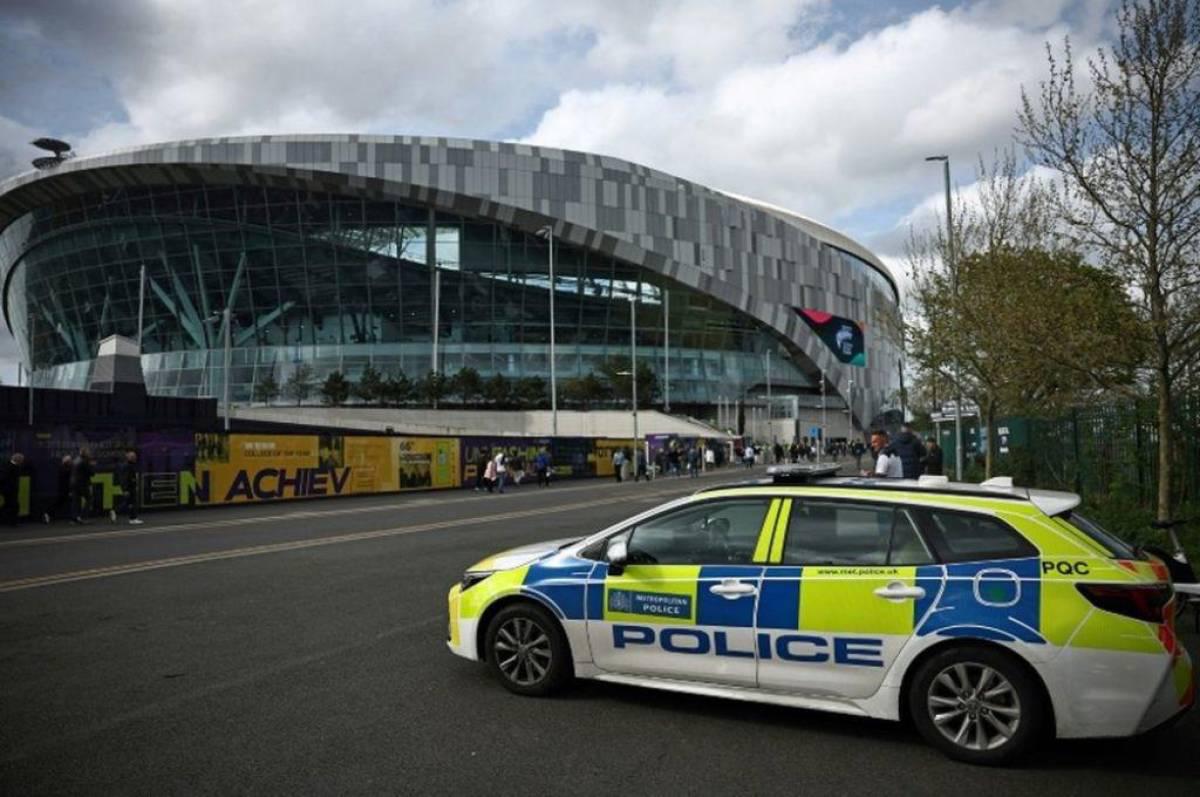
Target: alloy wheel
(522, 650)
(974, 706)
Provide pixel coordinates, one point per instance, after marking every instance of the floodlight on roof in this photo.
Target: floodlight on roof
(57, 146)
(47, 162)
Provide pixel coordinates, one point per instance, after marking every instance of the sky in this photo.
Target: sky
(825, 107)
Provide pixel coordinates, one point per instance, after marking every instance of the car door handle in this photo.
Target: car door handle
(732, 590)
(899, 591)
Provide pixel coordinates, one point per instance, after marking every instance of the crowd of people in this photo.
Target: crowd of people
(906, 456)
(73, 498)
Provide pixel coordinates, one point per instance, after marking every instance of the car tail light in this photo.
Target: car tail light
(1140, 601)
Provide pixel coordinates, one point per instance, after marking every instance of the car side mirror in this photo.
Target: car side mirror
(617, 555)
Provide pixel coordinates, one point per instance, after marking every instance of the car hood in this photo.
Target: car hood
(518, 557)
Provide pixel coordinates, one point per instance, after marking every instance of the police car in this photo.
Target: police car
(990, 615)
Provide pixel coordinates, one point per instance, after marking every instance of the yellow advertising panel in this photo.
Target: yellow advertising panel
(603, 452)
(370, 461)
(423, 463)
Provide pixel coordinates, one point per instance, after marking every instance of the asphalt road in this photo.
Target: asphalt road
(298, 649)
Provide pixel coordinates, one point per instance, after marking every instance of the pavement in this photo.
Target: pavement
(298, 648)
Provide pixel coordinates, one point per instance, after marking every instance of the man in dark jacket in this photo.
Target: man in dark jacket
(933, 457)
(10, 488)
(82, 471)
(911, 451)
(128, 481)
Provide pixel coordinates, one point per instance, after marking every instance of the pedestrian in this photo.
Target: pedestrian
(128, 480)
(10, 488)
(934, 460)
(778, 451)
(694, 462)
(481, 467)
(516, 469)
(911, 451)
(887, 464)
(857, 449)
(82, 471)
(489, 475)
(541, 464)
(640, 472)
(501, 462)
(61, 507)
(618, 461)
(748, 456)
(710, 458)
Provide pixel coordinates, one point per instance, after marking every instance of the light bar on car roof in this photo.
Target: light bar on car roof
(800, 474)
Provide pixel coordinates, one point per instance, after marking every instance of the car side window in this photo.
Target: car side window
(714, 532)
(969, 537)
(837, 533)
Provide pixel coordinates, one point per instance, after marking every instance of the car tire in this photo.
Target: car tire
(526, 650)
(977, 704)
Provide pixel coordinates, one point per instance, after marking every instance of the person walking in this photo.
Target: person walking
(934, 459)
(82, 471)
(59, 506)
(710, 458)
(489, 475)
(501, 463)
(541, 464)
(641, 471)
(10, 488)
(128, 481)
(694, 462)
(618, 461)
(911, 451)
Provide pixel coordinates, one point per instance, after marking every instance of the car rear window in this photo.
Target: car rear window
(968, 537)
(1117, 548)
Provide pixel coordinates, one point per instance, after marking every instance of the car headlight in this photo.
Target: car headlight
(471, 578)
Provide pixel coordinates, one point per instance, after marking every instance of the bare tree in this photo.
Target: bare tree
(1128, 152)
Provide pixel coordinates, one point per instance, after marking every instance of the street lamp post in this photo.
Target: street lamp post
(849, 411)
(958, 457)
(633, 369)
(228, 353)
(548, 233)
(666, 351)
(225, 317)
(821, 438)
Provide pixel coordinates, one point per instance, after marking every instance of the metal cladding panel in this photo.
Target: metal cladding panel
(754, 256)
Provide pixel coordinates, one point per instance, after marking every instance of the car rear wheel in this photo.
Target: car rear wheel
(527, 651)
(977, 704)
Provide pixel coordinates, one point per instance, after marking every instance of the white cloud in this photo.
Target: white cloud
(833, 129)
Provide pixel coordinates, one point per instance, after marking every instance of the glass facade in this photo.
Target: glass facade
(338, 282)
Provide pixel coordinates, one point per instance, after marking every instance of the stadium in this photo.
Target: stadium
(415, 254)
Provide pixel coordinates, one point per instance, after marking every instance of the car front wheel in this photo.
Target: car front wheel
(527, 651)
(977, 704)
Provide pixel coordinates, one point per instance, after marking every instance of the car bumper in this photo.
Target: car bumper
(460, 632)
(1112, 693)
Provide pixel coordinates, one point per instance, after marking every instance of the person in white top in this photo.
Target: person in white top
(887, 465)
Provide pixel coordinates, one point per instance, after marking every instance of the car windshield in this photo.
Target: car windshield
(1116, 547)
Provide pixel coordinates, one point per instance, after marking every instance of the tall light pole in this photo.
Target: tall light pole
(821, 438)
(141, 305)
(547, 232)
(666, 350)
(32, 339)
(633, 370)
(770, 426)
(958, 457)
(849, 411)
(225, 319)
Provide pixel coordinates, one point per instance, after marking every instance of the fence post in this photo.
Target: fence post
(1075, 448)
